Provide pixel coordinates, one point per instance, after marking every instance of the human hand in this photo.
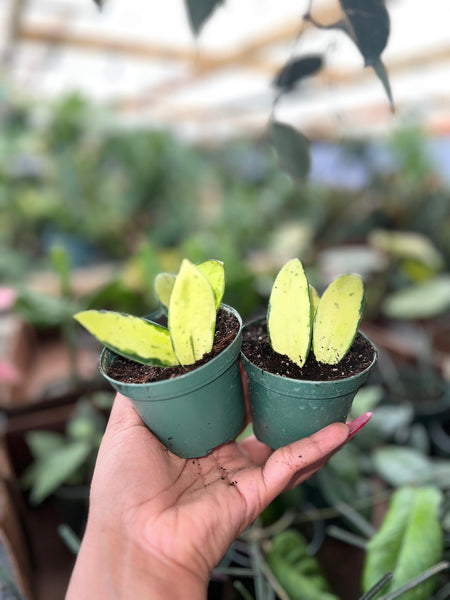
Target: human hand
(159, 524)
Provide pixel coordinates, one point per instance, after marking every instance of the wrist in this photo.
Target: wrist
(111, 567)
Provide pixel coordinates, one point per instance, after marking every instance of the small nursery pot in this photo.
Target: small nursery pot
(285, 410)
(194, 413)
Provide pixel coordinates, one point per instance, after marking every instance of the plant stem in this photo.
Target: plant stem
(70, 538)
(442, 566)
(377, 587)
(273, 582)
(239, 586)
(346, 536)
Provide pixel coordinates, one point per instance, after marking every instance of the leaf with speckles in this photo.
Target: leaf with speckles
(164, 283)
(214, 271)
(337, 319)
(192, 314)
(132, 337)
(289, 313)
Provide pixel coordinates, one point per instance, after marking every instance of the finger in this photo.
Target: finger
(300, 458)
(123, 413)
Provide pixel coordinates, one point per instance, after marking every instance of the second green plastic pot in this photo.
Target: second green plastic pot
(285, 410)
(196, 412)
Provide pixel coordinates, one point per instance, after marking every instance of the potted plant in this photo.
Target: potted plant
(183, 378)
(306, 360)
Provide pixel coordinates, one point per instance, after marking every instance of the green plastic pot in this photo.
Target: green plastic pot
(285, 410)
(194, 413)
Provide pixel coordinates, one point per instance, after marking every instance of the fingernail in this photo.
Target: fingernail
(358, 423)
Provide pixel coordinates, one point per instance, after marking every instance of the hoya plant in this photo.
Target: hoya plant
(298, 319)
(191, 300)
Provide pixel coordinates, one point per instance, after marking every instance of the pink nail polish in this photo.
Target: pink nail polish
(358, 423)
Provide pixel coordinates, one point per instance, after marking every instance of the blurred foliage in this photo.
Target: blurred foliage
(69, 458)
(73, 178)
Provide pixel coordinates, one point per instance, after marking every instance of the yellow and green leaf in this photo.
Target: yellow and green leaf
(214, 271)
(164, 283)
(289, 313)
(315, 299)
(132, 337)
(192, 314)
(337, 318)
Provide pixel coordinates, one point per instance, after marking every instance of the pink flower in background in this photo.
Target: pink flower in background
(8, 372)
(7, 298)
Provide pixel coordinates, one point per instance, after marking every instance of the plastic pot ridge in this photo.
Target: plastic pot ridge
(196, 412)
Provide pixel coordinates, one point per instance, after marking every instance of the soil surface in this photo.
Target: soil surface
(257, 348)
(128, 371)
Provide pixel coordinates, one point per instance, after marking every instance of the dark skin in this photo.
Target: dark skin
(159, 524)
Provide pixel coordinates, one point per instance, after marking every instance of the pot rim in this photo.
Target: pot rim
(280, 380)
(155, 385)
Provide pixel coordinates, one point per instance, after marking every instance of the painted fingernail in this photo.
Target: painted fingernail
(358, 423)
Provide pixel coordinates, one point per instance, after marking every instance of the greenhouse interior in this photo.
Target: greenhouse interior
(292, 159)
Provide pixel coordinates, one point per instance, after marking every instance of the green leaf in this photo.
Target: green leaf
(292, 149)
(296, 70)
(368, 22)
(289, 313)
(298, 574)
(337, 318)
(134, 338)
(54, 469)
(192, 314)
(214, 271)
(164, 283)
(408, 542)
(42, 443)
(407, 245)
(199, 12)
(422, 301)
(401, 465)
(43, 310)
(60, 260)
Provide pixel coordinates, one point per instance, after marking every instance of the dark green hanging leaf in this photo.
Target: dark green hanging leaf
(380, 70)
(292, 148)
(199, 12)
(366, 22)
(99, 3)
(296, 70)
(368, 27)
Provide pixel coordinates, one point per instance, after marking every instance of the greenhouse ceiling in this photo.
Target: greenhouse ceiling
(142, 59)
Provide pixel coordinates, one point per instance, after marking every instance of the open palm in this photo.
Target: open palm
(187, 512)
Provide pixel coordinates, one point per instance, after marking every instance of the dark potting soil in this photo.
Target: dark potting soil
(128, 371)
(257, 348)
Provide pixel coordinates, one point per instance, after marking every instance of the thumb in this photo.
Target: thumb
(302, 457)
